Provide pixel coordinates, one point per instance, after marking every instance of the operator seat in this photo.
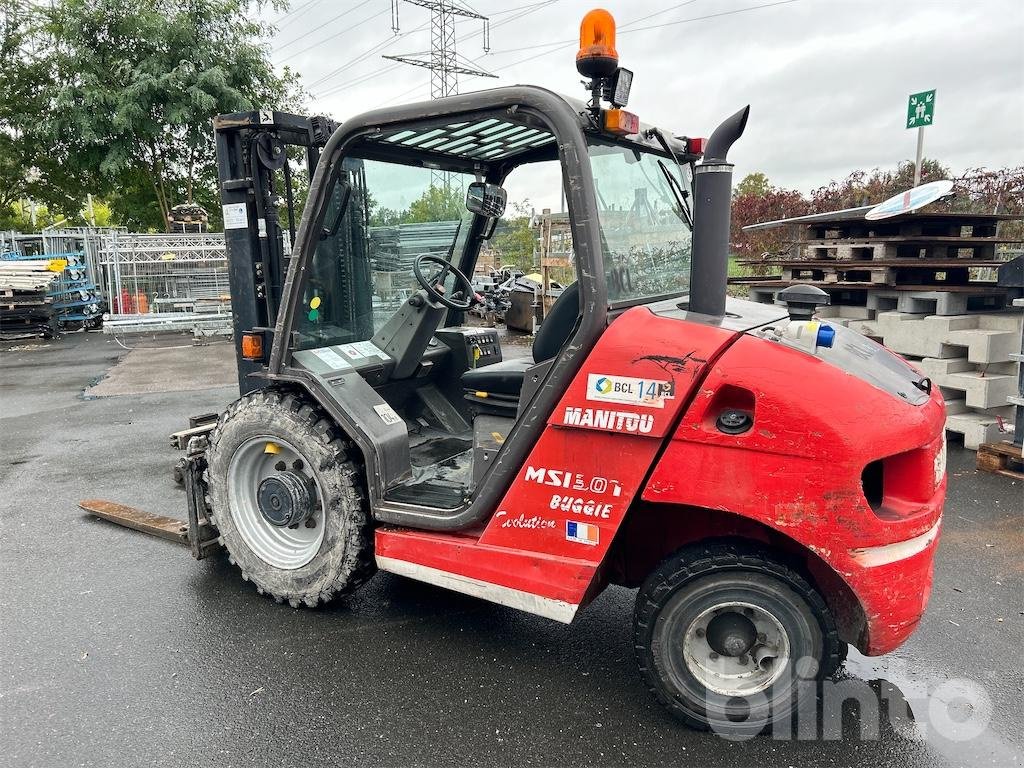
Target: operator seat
(498, 386)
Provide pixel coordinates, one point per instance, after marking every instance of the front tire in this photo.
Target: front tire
(723, 635)
(287, 497)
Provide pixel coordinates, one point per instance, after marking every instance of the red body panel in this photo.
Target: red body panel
(799, 471)
(630, 415)
(587, 467)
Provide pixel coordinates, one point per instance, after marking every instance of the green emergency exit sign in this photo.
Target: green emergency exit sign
(921, 109)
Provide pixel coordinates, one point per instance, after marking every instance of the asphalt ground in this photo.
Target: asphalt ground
(117, 649)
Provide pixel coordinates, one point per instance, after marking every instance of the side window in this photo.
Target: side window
(532, 241)
(361, 275)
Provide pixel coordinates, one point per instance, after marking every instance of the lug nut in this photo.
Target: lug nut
(713, 656)
(699, 633)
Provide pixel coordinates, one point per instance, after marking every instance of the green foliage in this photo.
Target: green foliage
(513, 240)
(435, 204)
(755, 184)
(138, 84)
(444, 203)
(977, 190)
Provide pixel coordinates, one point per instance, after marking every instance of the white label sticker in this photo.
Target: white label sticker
(387, 414)
(651, 393)
(361, 349)
(332, 358)
(261, 227)
(234, 216)
(940, 462)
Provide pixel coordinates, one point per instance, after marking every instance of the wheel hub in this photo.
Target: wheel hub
(731, 634)
(736, 648)
(284, 499)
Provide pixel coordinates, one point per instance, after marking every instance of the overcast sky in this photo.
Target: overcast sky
(827, 80)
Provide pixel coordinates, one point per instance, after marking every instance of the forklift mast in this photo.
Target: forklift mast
(258, 197)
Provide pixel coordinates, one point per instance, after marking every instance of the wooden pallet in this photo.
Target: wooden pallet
(1002, 459)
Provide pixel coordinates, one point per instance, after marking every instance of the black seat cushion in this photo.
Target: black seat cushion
(504, 378)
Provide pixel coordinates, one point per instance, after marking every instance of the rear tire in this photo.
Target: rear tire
(268, 433)
(723, 635)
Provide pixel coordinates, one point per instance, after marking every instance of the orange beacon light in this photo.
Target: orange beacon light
(597, 56)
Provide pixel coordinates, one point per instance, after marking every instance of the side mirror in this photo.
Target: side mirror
(486, 199)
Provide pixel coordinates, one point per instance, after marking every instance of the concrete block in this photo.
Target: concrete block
(763, 295)
(843, 312)
(955, 405)
(976, 428)
(980, 390)
(935, 367)
(932, 302)
(984, 345)
(982, 339)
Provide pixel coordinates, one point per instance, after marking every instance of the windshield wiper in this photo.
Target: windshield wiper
(682, 203)
(681, 195)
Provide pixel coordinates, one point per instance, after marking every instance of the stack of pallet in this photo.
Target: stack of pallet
(924, 285)
(396, 247)
(26, 306)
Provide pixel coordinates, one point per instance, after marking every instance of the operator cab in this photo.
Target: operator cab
(407, 204)
(381, 319)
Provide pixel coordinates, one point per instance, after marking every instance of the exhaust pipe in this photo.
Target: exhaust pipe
(712, 192)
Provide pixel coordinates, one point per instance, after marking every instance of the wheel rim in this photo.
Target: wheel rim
(287, 548)
(736, 649)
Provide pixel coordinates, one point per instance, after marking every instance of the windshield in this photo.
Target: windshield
(644, 231)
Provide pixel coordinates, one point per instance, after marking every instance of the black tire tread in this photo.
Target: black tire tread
(701, 560)
(358, 564)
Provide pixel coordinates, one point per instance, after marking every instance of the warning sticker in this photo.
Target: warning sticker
(234, 216)
(362, 349)
(387, 414)
(331, 358)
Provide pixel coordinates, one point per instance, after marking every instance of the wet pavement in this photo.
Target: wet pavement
(116, 649)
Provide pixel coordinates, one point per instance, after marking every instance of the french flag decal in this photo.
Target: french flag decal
(582, 533)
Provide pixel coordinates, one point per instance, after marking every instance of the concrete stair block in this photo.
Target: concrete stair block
(980, 390)
(984, 345)
(844, 312)
(976, 428)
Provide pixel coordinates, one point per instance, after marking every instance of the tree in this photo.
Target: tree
(872, 187)
(438, 203)
(29, 168)
(755, 184)
(513, 240)
(756, 200)
(141, 80)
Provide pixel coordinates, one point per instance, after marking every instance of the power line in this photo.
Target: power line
(293, 11)
(526, 9)
(284, 21)
(279, 48)
(332, 37)
(359, 58)
(565, 44)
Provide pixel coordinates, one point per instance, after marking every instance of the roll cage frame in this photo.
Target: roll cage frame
(568, 123)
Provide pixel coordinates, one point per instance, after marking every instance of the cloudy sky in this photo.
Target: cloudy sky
(827, 80)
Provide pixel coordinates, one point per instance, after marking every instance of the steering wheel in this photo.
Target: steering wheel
(463, 287)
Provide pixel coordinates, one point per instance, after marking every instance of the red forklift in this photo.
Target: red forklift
(773, 484)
